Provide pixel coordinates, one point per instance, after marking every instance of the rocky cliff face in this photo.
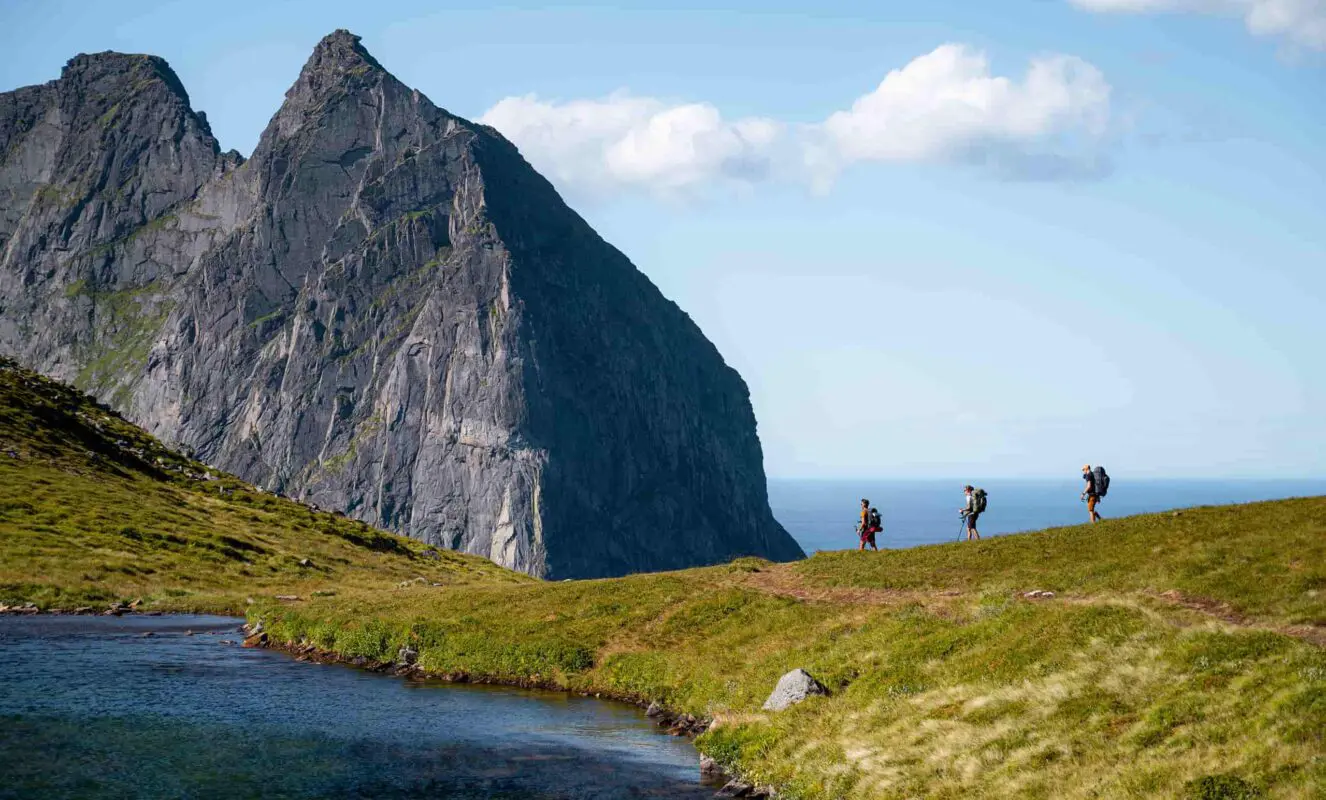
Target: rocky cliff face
(384, 310)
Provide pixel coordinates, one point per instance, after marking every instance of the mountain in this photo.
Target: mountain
(384, 310)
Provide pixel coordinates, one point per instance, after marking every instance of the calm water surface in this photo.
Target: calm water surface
(90, 707)
(822, 515)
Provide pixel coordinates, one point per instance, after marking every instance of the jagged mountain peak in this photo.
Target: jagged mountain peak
(338, 61)
(340, 78)
(341, 49)
(386, 310)
(123, 73)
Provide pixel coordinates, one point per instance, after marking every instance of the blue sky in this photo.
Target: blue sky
(937, 239)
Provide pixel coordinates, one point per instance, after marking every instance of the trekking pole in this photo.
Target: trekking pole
(962, 524)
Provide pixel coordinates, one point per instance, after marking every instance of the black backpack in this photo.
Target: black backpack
(1102, 481)
(980, 497)
(874, 518)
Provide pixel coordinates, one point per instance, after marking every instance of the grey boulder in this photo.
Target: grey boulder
(792, 688)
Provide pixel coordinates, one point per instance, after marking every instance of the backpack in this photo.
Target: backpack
(1102, 481)
(980, 498)
(874, 518)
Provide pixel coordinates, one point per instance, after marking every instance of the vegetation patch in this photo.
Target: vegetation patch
(94, 511)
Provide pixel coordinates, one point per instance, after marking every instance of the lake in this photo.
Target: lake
(822, 514)
(94, 707)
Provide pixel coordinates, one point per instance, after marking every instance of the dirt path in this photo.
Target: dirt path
(781, 581)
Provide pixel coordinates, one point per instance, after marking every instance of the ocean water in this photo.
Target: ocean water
(822, 514)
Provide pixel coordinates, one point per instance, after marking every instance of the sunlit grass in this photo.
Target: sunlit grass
(94, 511)
(944, 683)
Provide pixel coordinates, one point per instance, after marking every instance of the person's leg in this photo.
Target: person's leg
(1091, 507)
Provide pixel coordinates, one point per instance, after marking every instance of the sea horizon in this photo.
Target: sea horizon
(821, 513)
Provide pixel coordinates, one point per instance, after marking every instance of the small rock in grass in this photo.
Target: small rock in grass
(735, 788)
(407, 655)
(792, 688)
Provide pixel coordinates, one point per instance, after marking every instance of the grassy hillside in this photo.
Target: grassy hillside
(94, 511)
(1181, 656)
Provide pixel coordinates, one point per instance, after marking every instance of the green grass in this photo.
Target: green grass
(93, 511)
(1181, 656)
(979, 693)
(1267, 560)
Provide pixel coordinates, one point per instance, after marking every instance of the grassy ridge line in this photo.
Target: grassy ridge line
(945, 681)
(95, 511)
(1265, 561)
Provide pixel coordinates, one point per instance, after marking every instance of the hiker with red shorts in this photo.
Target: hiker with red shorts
(869, 526)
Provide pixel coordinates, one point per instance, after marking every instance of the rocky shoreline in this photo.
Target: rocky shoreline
(113, 610)
(406, 666)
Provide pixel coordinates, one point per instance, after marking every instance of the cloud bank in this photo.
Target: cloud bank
(624, 141)
(944, 107)
(1302, 22)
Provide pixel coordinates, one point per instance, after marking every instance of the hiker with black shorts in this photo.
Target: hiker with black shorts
(1097, 484)
(970, 511)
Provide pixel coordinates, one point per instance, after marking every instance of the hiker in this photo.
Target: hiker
(1097, 484)
(869, 525)
(971, 509)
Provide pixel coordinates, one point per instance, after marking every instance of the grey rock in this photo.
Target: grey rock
(407, 655)
(735, 788)
(384, 311)
(792, 688)
(709, 768)
(654, 710)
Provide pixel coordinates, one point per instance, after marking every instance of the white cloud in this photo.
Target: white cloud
(624, 141)
(947, 106)
(944, 106)
(1303, 22)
